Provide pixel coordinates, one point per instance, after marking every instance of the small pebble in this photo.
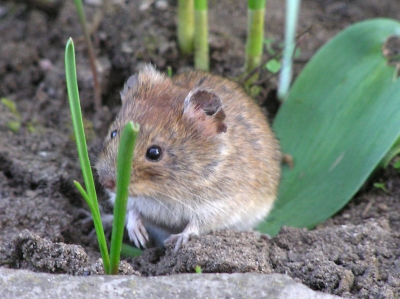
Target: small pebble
(45, 65)
(3, 11)
(145, 5)
(94, 2)
(161, 4)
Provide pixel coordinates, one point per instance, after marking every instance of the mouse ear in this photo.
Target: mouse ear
(204, 108)
(129, 85)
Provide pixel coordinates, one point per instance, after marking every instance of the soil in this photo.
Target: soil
(43, 219)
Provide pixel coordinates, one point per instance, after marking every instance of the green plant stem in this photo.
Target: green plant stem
(186, 26)
(292, 12)
(201, 54)
(124, 166)
(255, 36)
(92, 58)
(83, 193)
(76, 114)
(130, 251)
(393, 152)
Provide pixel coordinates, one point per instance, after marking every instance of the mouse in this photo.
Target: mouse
(205, 158)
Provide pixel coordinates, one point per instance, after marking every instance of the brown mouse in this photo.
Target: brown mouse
(205, 158)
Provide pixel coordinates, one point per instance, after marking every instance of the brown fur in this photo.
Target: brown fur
(220, 166)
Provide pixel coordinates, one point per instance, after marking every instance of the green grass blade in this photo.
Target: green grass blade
(340, 119)
(76, 114)
(255, 36)
(201, 53)
(130, 251)
(124, 167)
(84, 194)
(285, 78)
(81, 14)
(186, 26)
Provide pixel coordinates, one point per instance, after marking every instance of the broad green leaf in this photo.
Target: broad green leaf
(340, 119)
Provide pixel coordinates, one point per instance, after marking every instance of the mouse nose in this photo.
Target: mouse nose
(108, 183)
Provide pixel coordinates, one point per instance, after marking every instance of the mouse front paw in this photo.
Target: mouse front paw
(182, 238)
(136, 230)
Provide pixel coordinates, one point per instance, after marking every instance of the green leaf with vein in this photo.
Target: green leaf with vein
(340, 119)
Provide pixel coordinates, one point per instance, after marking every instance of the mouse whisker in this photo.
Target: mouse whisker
(211, 203)
(180, 201)
(153, 194)
(214, 204)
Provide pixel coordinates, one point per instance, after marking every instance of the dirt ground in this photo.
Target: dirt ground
(42, 217)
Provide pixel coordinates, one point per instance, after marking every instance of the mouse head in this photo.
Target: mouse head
(180, 141)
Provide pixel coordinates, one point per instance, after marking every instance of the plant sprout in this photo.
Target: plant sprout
(255, 36)
(292, 12)
(124, 162)
(186, 26)
(124, 167)
(201, 55)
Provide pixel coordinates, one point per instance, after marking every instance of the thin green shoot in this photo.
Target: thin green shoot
(201, 47)
(393, 152)
(130, 251)
(11, 106)
(169, 72)
(92, 58)
(198, 269)
(292, 12)
(124, 167)
(76, 114)
(13, 125)
(83, 193)
(124, 163)
(186, 26)
(255, 36)
(381, 186)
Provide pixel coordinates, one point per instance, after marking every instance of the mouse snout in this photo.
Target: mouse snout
(107, 182)
(106, 176)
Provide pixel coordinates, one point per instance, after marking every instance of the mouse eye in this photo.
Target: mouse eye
(154, 153)
(113, 134)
